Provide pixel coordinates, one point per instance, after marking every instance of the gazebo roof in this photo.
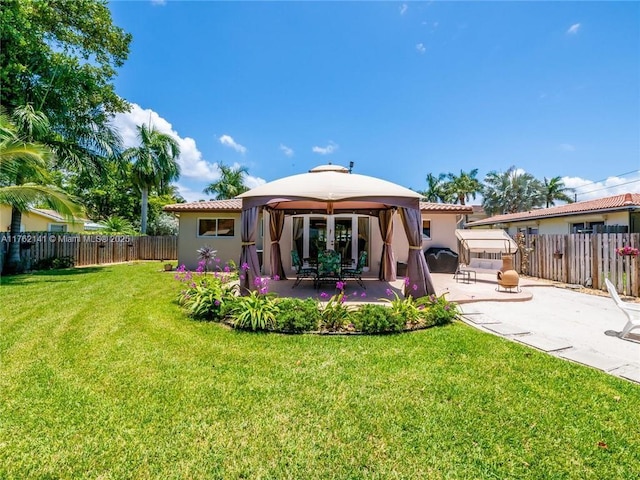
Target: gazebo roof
(331, 188)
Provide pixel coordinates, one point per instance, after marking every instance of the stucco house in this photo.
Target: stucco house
(347, 222)
(615, 214)
(43, 220)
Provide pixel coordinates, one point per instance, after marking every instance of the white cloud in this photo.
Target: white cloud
(190, 195)
(159, 2)
(329, 149)
(567, 147)
(253, 182)
(190, 160)
(573, 29)
(286, 150)
(403, 8)
(589, 190)
(228, 141)
(421, 48)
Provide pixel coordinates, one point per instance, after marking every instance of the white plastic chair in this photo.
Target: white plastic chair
(631, 310)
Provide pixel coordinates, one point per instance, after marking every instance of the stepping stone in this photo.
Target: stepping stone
(543, 343)
(479, 318)
(506, 329)
(629, 371)
(592, 358)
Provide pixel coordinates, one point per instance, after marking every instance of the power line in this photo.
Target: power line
(609, 188)
(604, 179)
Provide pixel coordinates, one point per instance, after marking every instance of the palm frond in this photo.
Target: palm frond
(26, 196)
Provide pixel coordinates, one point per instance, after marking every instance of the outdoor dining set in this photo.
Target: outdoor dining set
(328, 267)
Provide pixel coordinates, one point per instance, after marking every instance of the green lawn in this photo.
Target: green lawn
(102, 376)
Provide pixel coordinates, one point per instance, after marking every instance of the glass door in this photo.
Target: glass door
(342, 238)
(317, 236)
(347, 234)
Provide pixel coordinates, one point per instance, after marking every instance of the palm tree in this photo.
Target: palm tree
(464, 186)
(511, 191)
(25, 177)
(230, 184)
(554, 189)
(437, 190)
(154, 164)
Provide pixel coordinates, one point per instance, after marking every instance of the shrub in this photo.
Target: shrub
(335, 315)
(372, 318)
(207, 297)
(54, 263)
(297, 315)
(438, 310)
(255, 311)
(163, 224)
(406, 308)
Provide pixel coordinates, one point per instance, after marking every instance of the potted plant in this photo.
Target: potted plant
(628, 251)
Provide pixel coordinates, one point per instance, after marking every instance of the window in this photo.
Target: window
(426, 229)
(57, 227)
(216, 227)
(587, 227)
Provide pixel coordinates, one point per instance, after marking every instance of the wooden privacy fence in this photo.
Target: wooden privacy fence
(90, 249)
(585, 259)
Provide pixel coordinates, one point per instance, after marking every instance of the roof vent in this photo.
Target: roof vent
(627, 199)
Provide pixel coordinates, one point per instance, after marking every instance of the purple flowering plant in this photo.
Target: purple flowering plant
(439, 311)
(204, 295)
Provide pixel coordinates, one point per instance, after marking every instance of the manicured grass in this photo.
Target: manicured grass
(102, 376)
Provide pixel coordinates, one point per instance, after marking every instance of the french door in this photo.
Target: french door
(315, 233)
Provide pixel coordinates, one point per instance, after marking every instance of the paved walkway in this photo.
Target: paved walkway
(568, 324)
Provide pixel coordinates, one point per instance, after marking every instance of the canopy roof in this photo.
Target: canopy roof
(490, 241)
(331, 188)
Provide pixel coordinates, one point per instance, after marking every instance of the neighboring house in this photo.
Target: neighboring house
(217, 223)
(478, 214)
(42, 220)
(616, 214)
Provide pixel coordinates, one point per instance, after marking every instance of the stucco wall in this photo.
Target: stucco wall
(188, 241)
(443, 234)
(562, 225)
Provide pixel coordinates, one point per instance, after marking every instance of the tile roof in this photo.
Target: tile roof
(616, 202)
(445, 207)
(235, 204)
(205, 206)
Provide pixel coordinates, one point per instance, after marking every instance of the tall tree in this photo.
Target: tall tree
(437, 189)
(511, 191)
(61, 56)
(25, 179)
(464, 186)
(230, 184)
(554, 189)
(154, 164)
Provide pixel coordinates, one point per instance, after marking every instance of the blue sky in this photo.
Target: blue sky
(400, 89)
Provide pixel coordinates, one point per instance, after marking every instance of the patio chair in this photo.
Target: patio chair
(356, 272)
(631, 310)
(329, 267)
(302, 272)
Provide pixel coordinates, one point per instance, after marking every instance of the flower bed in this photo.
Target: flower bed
(214, 296)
